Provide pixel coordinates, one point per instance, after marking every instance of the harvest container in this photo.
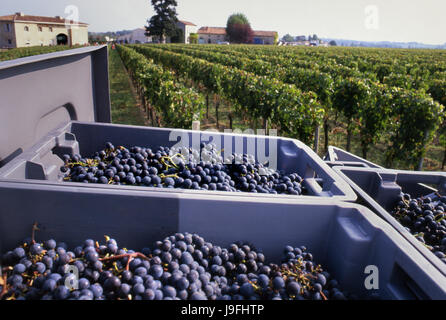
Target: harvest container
(337, 156)
(59, 103)
(378, 189)
(345, 238)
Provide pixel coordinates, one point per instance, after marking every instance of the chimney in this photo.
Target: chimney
(21, 14)
(59, 17)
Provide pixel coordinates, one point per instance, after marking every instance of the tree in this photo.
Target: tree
(288, 38)
(237, 18)
(276, 38)
(163, 23)
(240, 33)
(193, 38)
(178, 36)
(333, 43)
(238, 29)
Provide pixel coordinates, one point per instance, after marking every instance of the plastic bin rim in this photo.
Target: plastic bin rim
(202, 132)
(339, 169)
(331, 157)
(48, 56)
(169, 192)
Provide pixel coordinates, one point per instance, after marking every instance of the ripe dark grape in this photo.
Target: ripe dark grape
(50, 244)
(167, 168)
(182, 266)
(19, 253)
(425, 218)
(138, 289)
(40, 267)
(124, 290)
(278, 283)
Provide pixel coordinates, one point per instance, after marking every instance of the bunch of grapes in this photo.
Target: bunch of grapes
(425, 218)
(181, 267)
(184, 168)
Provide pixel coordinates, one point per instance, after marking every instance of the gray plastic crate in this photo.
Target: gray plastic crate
(379, 189)
(337, 156)
(43, 160)
(55, 104)
(345, 238)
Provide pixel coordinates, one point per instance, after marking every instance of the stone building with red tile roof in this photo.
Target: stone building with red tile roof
(20, 30)
(218, 35)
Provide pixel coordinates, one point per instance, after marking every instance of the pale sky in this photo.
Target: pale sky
(367, 20)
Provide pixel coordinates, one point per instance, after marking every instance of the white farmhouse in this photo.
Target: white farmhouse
(188, 28)
(135, 36)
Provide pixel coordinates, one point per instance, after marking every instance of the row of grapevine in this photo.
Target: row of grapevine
(294, 112)
(398, 68)
(177, 104)
(285, 62)
(406, 73)
(368, 106)
(305, 79)
(378, 61)
(411, 71)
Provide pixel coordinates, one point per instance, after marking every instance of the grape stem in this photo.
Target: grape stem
(33, 232)
(131, 256)
(323, 295)
(4, 290)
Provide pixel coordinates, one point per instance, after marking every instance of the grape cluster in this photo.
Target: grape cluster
(184, 168)
(181, 267)
(425, 218)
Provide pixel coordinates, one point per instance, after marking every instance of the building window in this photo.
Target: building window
(51, 29)
(9, 41)
(8, 27)
(26, 28)
(40, 29)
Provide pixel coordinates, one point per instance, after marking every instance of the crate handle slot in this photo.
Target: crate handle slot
(404, 286)
(438, 179)
(66, 143)
(35, 171)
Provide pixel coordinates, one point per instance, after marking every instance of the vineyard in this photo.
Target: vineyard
(381, 101)
(385, 105)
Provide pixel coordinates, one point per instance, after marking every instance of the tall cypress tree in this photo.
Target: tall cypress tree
(163, 23)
